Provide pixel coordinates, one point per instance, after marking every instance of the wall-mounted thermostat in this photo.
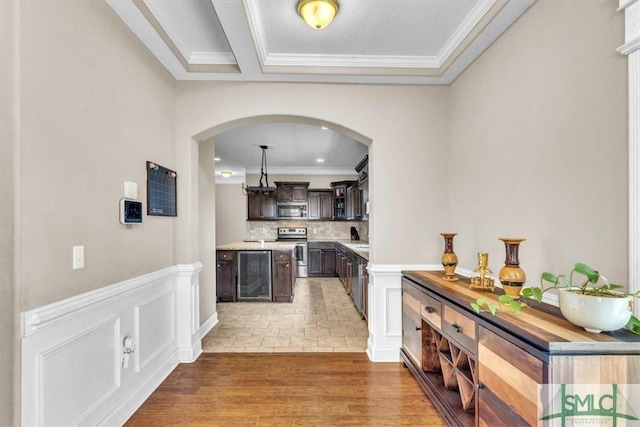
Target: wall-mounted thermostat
(130, 211)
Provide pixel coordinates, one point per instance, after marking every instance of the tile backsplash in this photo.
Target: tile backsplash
(316, 230)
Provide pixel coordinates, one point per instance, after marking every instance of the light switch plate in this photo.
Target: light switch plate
(78, 257)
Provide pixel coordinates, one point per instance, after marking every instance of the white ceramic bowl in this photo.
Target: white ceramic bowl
(595, 314)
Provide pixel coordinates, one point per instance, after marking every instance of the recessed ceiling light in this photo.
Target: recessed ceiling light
(324, 128)
(217, 159)
(320, 160)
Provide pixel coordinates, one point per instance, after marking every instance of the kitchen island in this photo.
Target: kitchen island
(255, 271)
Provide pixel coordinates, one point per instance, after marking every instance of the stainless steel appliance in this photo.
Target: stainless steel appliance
(292, 210)
(254, 275)
(299, 236)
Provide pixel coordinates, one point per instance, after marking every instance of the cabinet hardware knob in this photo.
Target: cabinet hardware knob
(480, 385)
(429, 309)
(456, 328)
(418, 328)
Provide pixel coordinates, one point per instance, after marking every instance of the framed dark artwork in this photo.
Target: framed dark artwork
(161, 191)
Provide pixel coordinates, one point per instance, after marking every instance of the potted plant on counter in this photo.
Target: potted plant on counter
(594, 304)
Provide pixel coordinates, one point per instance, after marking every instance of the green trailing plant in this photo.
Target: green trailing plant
(587, 286)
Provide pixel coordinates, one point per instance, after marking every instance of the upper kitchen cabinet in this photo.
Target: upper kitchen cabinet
(363, 184)
(354, 203)
(320, 205)
(340, 201)
(292, 191)
(261, 206)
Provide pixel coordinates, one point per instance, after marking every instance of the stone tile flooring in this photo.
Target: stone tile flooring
(321, 318)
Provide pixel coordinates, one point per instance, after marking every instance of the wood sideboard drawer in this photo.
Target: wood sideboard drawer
(460, 328)
(225, 255)
(431, 310)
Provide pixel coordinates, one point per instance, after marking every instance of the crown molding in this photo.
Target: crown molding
(302, 170)
(211, 58)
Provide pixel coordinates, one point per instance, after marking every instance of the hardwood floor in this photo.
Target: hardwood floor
(288, 389)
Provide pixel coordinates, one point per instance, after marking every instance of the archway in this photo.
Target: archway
(206, 222)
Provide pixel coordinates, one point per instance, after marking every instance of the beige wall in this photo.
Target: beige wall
(8, 134)
(408, 128)
(231, 213)
(95, 106)
(539, 143)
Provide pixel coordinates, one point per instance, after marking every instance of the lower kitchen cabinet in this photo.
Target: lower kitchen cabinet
(322, 259)
(484, 370)
(283, 276)
(226, 276)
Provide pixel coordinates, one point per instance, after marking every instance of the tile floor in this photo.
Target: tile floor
(321, 318)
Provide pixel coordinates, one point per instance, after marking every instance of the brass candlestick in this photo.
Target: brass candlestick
(482, 283)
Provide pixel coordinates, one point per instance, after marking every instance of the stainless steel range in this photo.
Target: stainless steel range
(299, 236)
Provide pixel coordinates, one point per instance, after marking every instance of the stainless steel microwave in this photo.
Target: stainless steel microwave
(291, 210)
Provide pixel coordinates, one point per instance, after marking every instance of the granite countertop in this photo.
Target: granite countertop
(256, 246)
(360, 247)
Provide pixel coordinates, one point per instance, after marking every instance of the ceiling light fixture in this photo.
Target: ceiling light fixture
(320, 160)
(217, 159)
(318, 13)
(226, 174)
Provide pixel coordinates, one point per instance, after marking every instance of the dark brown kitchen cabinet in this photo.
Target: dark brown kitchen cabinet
(261, 206)
(322, 259)
(283, 276)
(354, 203)
(340, 201)
(292, 191)
(364, 279)
(320, 205)
(226, 275)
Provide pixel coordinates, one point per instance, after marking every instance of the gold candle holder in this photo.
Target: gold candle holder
(482, 283)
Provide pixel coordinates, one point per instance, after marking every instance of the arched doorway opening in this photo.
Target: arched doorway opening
(207, 218)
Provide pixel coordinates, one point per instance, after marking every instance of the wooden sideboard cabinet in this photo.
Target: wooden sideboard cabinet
(484, 370)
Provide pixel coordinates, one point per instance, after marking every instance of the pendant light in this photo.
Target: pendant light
(318, 14)
(262, 187)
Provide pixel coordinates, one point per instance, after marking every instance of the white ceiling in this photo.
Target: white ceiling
(369, 41)
(294, 149)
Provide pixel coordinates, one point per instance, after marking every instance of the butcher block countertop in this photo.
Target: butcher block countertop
(256, 246)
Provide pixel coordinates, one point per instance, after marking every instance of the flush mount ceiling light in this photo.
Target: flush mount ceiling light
(317, 13)
(226, 174)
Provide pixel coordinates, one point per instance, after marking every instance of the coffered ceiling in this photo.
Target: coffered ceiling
(369, 41)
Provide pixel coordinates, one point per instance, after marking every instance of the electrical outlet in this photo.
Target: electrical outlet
(78, 257)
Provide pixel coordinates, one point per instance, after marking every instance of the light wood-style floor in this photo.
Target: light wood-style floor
(287, 389)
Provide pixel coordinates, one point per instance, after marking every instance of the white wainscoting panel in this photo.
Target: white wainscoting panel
(91, 357)
(155, 325)
(72, 350)
(385, 310)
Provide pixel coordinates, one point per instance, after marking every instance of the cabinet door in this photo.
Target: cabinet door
(326, 206)
(284, 193)
(314, 261)
(509, 378)
(282, 276)
(411, 323)
(314, 205)
(299, 193)
(226, 281)
(329, 262)
(365, 293)
(254, 206)
(268, 206)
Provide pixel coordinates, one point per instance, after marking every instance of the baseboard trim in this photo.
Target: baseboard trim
(208, 324)
(132, 402)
